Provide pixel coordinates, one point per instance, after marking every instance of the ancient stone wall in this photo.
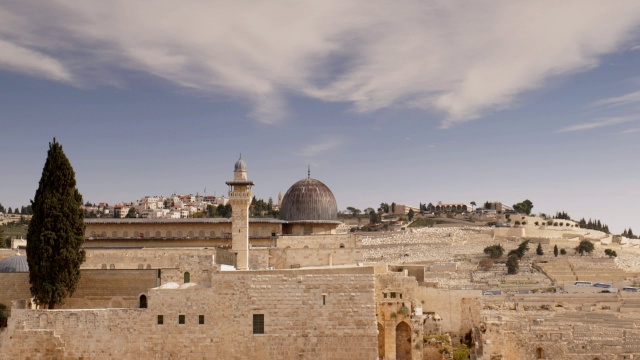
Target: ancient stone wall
(14, 286)
(324, 314)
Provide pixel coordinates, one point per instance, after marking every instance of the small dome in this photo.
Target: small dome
(17, 263)
(309, 199)
(240, 165)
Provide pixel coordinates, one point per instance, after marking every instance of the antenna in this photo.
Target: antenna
(309, 172)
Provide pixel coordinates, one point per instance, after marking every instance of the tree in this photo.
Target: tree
(494, 251)
(539, 250)
(354, 212)
(2, 209)
(555, 250)
(411, 214)
(473, 205)
(523, 207)
(2, 239)
(521, 250)
(56, 232)
(9, 211)
(585, 246)
(610, 253)
(513, 265)
(374, 218)
(393, 208)
(563, 252)
(132, 213)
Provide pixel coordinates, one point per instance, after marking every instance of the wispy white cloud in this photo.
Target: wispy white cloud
(322, 146)
(630, 131)
(24, 60)
(461, 60)
(633, 97)
(599, 123)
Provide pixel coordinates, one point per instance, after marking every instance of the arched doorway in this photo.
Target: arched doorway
(380, 341)
(539, 353)
(143, 301)
(403, 341)
(187, 277)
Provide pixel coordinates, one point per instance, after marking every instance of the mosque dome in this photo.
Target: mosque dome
(240, 165)
(17, 263)
(309, 199)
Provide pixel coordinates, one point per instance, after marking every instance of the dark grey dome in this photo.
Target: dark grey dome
(309, 199)
(17, 263)
(240, 165)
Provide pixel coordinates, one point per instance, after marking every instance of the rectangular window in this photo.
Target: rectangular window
(384, 295)
(393, 295)
(258, 323)
(201, 319)
(180, 319)
(324, 299)
(400, 295)
(160, 319)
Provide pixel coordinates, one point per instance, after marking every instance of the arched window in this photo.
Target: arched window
(179, 233)
(187, 277)
(190, 234)
(201, 233)
(158, 234)
(143, 301)
(539, 353)
(125, 233)
(168, 234)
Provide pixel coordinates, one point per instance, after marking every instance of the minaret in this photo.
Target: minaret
(240, 199)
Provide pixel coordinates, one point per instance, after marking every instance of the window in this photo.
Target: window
(143, 301)
(258, 323)
(201, 319)
(187, 277)
(400, 295)
(324, 299)
(160, 319)
(181, 319)
(393, 295)
(384, 295)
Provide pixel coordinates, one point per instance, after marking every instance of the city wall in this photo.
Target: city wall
(324, 314)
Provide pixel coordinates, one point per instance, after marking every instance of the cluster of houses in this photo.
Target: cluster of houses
(158, 207)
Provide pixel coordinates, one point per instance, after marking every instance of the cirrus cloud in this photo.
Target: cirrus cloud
(459, 59)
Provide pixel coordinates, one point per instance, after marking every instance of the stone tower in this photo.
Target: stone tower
(240, 198)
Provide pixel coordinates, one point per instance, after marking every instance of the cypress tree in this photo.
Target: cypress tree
(555, 250)
(56, 232)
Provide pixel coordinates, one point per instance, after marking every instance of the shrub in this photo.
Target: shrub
(539, 251)
(585, 246)
(563, 252)
(610, 253)
(494, 251)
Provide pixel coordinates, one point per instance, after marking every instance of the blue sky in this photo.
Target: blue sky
(402, 102)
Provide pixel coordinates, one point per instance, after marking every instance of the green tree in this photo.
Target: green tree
(610, 253)
(513, 265)
(487, 205)
(56, 232)
(555, 250)
(494, 251)
(539, 251)
(461, 352)
(563, 252)
(393, 208)
(132, 213)
(523, 207)
(521, 250)
(2, 239)
(354, 212)
(2, 209)
(585, 246)
(411, 214)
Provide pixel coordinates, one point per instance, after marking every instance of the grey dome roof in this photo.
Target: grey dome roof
(240, 165)
(17, 263)
(309, 199)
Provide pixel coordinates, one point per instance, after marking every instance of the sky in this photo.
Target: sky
(389, 101)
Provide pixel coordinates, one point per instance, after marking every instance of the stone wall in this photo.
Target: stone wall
(323, 314)
(14, 286)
